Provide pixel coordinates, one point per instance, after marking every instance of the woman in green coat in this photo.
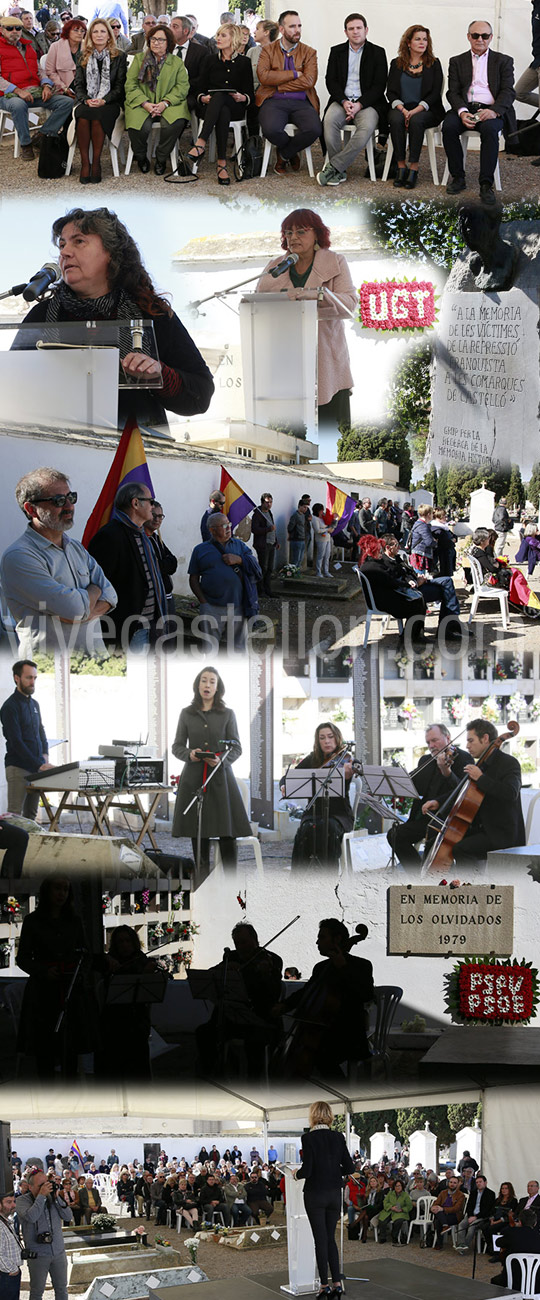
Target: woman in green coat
(397, 1206)
(157, 86)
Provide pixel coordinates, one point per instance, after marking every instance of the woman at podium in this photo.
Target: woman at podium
(316, 268)
(325, 1163)
(103, 279)
(318, 839)
(206, 731)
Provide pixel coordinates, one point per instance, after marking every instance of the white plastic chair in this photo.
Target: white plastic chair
(236, 127)
(114, 143)
(291, 130)
(34, 123)
(250, 840)
(483, 591)
(151, 149)
(369, 148)
(371, 610)
(464, 145)
(529, 1267)
(432, 137)
(532, 819)
(424, 1219)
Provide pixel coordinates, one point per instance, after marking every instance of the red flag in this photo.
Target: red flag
(129, 466)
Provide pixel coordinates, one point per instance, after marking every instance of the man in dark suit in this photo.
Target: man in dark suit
(438, 775)
(356, 81)
(532, 1200)
(127, 551)
(524, 1239)
(89, 1200)
(498, 824)
(192, 54)
(196, 35)
(139, 39)
(481, 96)
(479, 1207)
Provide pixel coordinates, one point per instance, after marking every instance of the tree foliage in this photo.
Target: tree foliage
(429, 232)
(459, 481)
(461, 1114)
(369, 1122)
(377, 442)
(516, 491)
(409, 397)
(533, 488)
(415, 1118)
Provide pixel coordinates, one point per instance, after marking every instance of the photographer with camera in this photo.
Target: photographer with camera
(10, 1250)
(41, 1213)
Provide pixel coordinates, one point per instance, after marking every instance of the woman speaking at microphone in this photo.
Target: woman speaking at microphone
(325, 1162)
(315, 266)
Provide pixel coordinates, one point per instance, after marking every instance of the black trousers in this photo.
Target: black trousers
(472, 849)
(403, 836)
(417, 126)
(489, 132)
(308, 846)
(323, 1209)
(168, 135)
(218, 115)
(275, 114)
(337, 411)
(265, 556)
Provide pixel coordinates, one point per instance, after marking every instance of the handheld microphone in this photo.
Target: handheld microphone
(290, 260)
(37, 285)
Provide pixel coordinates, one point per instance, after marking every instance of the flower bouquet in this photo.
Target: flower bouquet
(192, 1245)
(103, 1222)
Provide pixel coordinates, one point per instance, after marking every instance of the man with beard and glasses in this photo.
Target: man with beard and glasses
(54, 589)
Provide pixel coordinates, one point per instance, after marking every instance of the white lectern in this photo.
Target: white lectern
(76, 388)
(303, 1276)
(279, 361)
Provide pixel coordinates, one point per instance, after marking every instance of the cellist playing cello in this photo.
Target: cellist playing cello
(486, 813)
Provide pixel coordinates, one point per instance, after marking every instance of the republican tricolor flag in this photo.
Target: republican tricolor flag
(129, 466)
(237, 502)
(76, 1150)
(339, 504)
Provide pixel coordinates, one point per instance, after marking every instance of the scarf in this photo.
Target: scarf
(151, 561)
(65, 305)
(98, 75)
(150, 70)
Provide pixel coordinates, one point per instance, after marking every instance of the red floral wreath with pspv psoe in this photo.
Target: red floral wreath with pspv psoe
(481, 990)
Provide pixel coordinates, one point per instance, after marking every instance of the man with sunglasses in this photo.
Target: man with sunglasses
(123, 42)
(53, 588)
(481, 96)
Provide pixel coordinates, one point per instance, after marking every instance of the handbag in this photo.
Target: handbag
(53, 156)
(526, 140)
(248, 161)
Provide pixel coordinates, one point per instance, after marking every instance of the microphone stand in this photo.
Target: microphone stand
(223, 293)
(345, 1277)
(59, 1027)
(198, 798)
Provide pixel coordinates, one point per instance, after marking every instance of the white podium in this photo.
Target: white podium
(279, 362)
(303, 1276)
(76, 388)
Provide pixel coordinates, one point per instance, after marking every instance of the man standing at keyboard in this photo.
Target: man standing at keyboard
(26, 742)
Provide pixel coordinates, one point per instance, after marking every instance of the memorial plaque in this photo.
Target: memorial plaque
(486, 388)
(437, 922)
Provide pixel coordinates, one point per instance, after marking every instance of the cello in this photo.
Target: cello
(464, 809)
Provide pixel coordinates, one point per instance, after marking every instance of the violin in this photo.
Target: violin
(317, 1008)
(464, 809)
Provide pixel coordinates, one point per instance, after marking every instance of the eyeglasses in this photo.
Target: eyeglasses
(59, 500)
(480, 36)
(158, 516)
(115, 27)
(158, 40)
(296, 230)
(151, 500)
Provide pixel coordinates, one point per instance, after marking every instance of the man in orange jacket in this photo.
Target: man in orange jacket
(287, 72)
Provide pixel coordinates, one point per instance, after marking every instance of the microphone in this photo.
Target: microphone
(290, 260)
(37, 285)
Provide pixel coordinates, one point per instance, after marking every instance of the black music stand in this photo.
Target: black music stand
(389, 783)
(313, 783)
(136, 989)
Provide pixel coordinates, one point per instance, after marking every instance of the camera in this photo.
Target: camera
(44, 1238)
(28, 1254)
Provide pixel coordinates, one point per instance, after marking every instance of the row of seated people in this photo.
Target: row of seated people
(364, 94)
(459, 1206)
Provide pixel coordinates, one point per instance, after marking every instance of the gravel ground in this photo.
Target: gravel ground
(223, 1262)
(518, 179)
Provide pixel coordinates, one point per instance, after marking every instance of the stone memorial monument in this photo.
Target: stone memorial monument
(423, 1148)
(381, 1144)
(486, 383)
(470, 1139)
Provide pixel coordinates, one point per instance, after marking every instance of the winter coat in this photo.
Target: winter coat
(223, 809)
(172, 84)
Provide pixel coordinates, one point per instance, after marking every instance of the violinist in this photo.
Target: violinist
(439, 773)
(498, 824)
(330, 1017)
(316, 842)
(248, 1020)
